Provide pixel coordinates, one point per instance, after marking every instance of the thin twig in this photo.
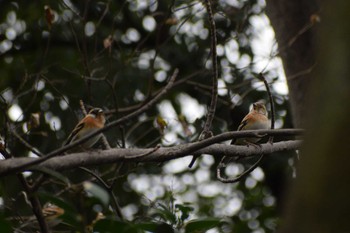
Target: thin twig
(116, 107)
(177, 83)
(212, 107)
(243, 174)
(115, 203)
(261, 77)
(26, 144)
(82, 107)
(143, 154)
(116, 172)
(105, 142)
(303, 72)
(206, 133)
(309, 25)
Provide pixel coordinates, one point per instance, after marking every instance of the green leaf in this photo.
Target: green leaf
(201, 225)
(185, 210)
(166, 214)
(97, 192)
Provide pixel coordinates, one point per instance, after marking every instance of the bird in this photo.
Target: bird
(51, 214)
(257, 118)
(93, 121)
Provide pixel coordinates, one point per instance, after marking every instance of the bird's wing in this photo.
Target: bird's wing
(75, 132)
(241, 126)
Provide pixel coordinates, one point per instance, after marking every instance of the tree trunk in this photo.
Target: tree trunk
(319, 199)
(296, 48)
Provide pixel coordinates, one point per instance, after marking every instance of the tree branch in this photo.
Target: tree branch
(206, 133)
(206, 146)
(214, 94)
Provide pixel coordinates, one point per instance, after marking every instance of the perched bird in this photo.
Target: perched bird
(93, 121)
(51, 213)
(257, 118)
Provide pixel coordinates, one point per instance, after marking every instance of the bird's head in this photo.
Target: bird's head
(98, 114)
(260, 108)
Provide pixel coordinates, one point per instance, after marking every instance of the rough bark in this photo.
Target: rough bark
(296, 49)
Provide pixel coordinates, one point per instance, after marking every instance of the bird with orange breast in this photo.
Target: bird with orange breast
(92, 122)
(257, 118)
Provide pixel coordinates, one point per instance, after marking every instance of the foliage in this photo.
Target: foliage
(118, 55)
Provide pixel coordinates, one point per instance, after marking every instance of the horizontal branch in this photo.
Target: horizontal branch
(161, 154)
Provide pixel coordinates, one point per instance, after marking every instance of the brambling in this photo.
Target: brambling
(257, 118)
(51, 213)
(93, 121)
